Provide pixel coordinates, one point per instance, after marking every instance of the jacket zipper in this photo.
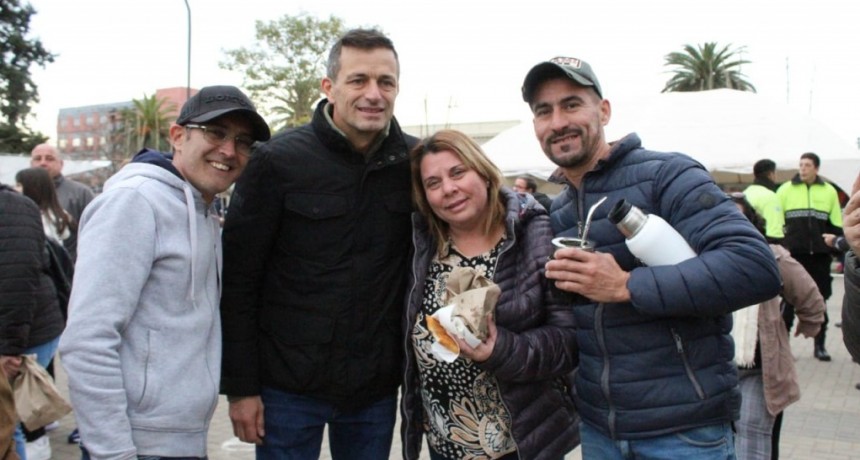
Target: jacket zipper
(679, 346)
(604, 375)
(580, 210)
(504, 250)
(809, 215)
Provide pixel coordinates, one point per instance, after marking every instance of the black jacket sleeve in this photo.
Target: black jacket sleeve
(22, 242)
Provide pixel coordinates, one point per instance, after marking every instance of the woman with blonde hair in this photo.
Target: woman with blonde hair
(508, 396)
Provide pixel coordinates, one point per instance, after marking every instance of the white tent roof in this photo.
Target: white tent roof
(725, 130)
(11, 164)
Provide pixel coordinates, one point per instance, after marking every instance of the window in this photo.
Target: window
(90, 141)
(63, 144)
(76, 142)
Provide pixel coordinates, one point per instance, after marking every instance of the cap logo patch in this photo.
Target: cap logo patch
(226, 97)
(567, 61)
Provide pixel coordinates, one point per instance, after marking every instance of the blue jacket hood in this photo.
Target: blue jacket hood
(154, 157)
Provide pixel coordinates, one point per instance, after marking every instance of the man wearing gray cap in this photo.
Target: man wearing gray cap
(142, 348)
(656, 376)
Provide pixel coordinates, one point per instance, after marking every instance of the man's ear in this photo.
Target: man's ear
(177, 135)
(325, 85)
(605, 111)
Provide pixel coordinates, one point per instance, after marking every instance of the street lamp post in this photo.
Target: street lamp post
(188, 82)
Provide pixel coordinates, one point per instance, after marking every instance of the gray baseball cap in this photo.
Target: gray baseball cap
(575, 69)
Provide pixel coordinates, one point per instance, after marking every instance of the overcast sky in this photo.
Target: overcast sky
(462, 60)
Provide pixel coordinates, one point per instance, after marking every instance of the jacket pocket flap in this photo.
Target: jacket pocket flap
(315, 206)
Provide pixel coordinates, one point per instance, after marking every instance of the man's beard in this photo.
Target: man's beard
(584, 155)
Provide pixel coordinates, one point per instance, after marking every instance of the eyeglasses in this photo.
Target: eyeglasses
(218, 136)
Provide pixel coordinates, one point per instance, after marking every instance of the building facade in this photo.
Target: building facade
(95, 132)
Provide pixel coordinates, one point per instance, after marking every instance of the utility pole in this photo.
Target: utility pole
(188, 73)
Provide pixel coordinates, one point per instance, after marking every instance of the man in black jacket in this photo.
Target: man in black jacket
(316, 243)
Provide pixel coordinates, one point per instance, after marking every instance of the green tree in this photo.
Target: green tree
(283, 70)
(705, 67)
(147, 124)
(17, 89)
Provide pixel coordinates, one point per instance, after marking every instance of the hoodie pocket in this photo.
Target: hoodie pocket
(148, 387)
(169, 388)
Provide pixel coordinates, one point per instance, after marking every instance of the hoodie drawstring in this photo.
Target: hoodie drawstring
(192, 224)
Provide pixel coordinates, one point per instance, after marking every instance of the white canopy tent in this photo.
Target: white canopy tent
(11, 164)
(726, 130)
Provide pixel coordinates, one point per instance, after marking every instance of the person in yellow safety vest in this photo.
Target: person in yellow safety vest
(762, 196)
(812, 209)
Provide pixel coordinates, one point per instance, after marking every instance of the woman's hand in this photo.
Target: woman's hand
(484, 349)
(11, 365)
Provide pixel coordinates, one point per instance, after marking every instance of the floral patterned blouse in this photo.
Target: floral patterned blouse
(465, 417)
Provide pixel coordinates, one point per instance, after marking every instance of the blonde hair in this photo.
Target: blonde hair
(470, 153)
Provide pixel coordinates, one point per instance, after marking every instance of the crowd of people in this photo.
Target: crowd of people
(311, 302)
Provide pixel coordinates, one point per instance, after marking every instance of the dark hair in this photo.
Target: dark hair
(763, 167)
(531, 184)
(39, 187)
(363, 39)
(811, 156)
(748, 211)
(470, 153)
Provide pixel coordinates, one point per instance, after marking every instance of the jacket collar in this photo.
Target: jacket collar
(333, 138)
(797, 181)
(766, 183)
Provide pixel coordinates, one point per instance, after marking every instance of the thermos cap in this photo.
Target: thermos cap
(627, 218)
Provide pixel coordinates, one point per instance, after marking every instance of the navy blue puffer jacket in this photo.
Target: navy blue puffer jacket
(662, 362)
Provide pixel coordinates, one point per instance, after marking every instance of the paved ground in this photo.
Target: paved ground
(823, 425)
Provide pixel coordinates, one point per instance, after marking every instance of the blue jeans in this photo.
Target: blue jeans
(714, 442)
(44, 353)
(294, 428)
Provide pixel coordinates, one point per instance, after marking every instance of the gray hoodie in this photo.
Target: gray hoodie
(142, 348)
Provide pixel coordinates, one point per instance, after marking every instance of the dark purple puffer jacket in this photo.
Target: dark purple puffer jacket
(535, 350)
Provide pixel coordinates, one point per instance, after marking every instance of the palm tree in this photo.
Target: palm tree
(294, 106)
(147, 123)
(704, 67)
